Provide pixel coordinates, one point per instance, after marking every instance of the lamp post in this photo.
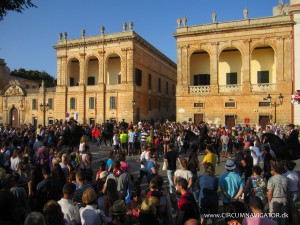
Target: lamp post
(275, 104)
(44, 108)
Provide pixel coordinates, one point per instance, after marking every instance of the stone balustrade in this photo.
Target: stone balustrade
(230, 88)
(265, 87)
(199, 89)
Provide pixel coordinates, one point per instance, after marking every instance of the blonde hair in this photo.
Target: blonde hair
(83, 139)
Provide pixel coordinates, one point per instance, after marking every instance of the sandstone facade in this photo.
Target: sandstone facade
(226, 70)
(106, 77)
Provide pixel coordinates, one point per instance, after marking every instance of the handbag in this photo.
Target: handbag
(165, 165)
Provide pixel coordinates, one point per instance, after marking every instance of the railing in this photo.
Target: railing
(230, 88)
(199, 89)
(265, 87)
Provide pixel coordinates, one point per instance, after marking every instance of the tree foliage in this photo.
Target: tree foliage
(14, 5)
(35, 75)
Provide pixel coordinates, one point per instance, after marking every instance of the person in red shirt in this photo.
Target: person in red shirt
(97, 136)
(187, 205)
(93, 135)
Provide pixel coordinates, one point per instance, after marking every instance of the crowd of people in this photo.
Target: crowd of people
(46, 179)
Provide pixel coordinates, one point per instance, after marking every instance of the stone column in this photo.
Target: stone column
(129, 64)
(185, 66)
(59, 70)
(124, 64)
(287, 66)
(279, 59)
(214, 61)
(246, 82)
(62, 70)
(101, 78)
(179, 65)
(81, 104)
(82, 73)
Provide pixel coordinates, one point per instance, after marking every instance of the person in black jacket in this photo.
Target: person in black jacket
(47, 189)
(202, 135)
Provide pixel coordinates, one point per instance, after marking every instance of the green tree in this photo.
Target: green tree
(14, 5)
(35, 75)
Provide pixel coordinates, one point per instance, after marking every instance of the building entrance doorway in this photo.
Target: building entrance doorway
(92, 121)
(230, 121)
(34, 121)
(14, 119)
(263, 121)
(198, 118)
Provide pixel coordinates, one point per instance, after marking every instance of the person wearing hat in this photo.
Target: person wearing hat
(119, 211)
(231, 184)
(148, 212)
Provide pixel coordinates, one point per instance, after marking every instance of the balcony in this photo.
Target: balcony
(230, 88)
(199, 89)
(263, 87)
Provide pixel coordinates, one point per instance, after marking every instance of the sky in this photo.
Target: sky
(27, 39)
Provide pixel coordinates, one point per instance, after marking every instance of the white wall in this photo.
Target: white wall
(297, 63)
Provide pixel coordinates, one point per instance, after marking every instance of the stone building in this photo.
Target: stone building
(106, 77)
(237, 72)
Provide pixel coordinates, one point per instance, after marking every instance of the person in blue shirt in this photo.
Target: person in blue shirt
(231, 184)
(151, 169)
(208, 198)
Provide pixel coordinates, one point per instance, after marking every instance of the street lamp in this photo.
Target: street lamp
(275, 104)
(44, 109)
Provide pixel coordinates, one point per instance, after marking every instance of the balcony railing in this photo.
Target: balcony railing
(264, 87)
(230, 88)
(199, 89)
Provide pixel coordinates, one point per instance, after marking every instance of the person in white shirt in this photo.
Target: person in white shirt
(256, 153)
(15, 160)
(70, 211)
(184, 173)
(144, 158)
(64, 164)
(293, 191)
